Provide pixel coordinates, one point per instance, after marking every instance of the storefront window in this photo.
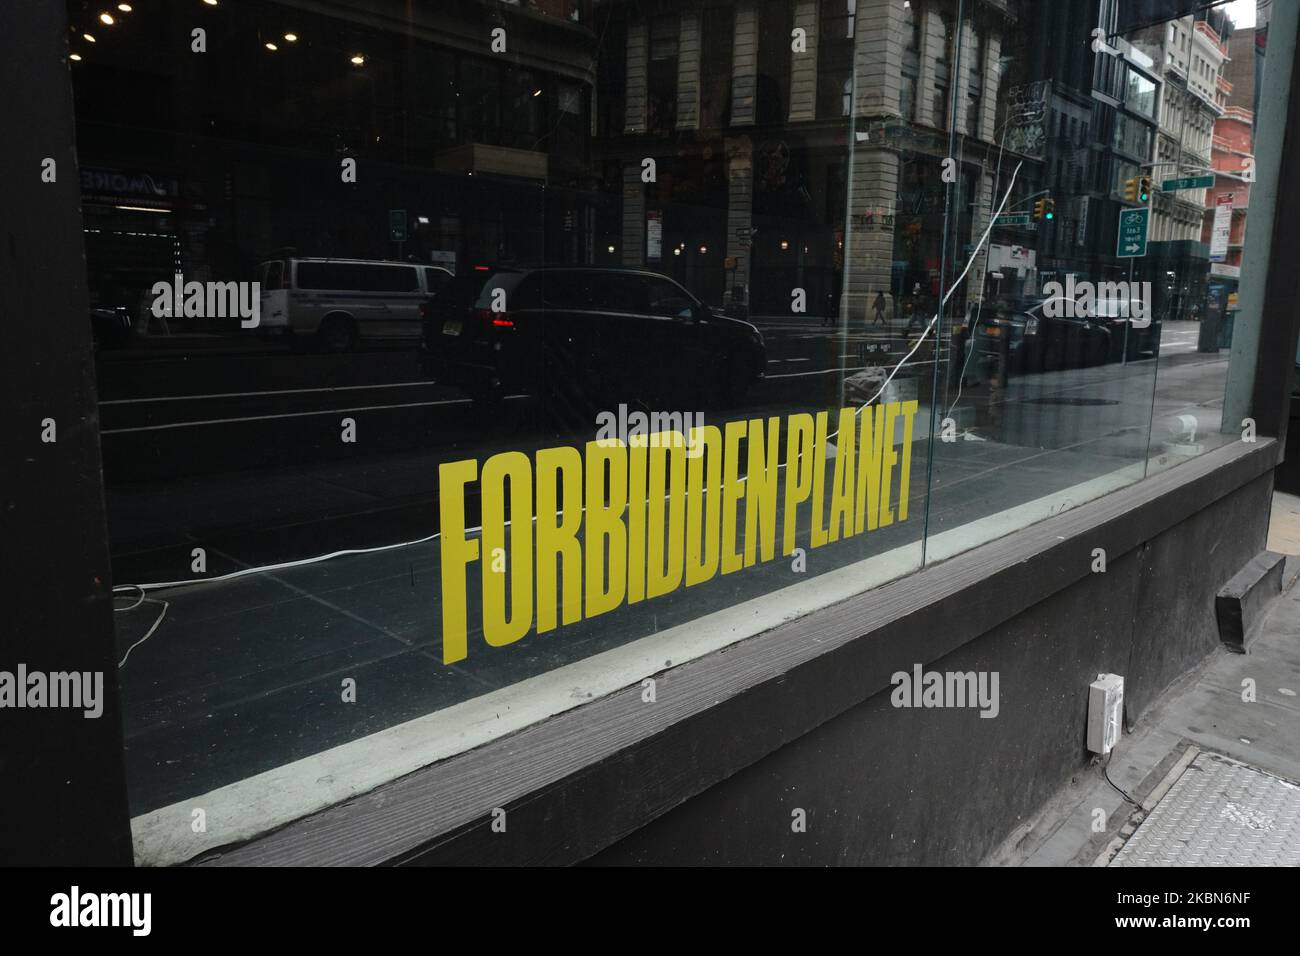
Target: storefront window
(461, 362)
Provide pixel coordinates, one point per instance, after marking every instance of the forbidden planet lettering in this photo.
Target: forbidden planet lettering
(630, 521)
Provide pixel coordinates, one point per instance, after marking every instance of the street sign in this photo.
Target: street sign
(1012, 219)
(397, 225)
(1221, 230)
(1132, 239)
(654, 235)
(1191, 182)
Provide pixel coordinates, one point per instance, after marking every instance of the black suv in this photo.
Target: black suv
(590, 337)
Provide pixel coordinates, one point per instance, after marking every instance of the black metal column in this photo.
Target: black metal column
(62, 780)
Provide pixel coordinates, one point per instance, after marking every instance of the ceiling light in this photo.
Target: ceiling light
(88, 38)
(272, 47)
(358, 59)
(124, 7)
(291, 37)
(106, 19)
(76, 57)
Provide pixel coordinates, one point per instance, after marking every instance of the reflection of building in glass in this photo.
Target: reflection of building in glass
(1189, 59)
(1226, 210)
(488, 154)
(793, 121)
(1085, 130)
(1232, 156)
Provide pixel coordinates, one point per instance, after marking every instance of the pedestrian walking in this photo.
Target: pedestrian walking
(879, 307)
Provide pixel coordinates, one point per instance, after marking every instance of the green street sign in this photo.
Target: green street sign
(397, 225)
(1191, 182)
(1132, 239)
(1012, 219)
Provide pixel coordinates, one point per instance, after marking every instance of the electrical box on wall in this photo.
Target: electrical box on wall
(1105, 712)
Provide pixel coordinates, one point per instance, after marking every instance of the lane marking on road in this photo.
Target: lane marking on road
(838, 370)
(274, 391)
(260, 418)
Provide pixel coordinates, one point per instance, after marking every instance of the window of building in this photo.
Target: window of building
(716, 40)
(975, 85)
(772, 84)
(1140, 93)
(911, 31)
(943, 74)
(661, 83)
(835, 56)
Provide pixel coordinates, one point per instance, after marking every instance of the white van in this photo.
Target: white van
(339, 303)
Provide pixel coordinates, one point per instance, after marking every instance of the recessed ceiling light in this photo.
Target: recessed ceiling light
(76, 57)
(291, 37)
(88, 38)
(358, 59)
(106, 19)
(124, 7)
(211, 3)
(272, 47)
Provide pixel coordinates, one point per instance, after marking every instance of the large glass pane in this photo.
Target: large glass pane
(475, 360)
(460, 362)
(1085, 345)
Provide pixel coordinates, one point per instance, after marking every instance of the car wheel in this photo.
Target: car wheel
(337, 334)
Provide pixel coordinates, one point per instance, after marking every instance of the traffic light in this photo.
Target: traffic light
(1045, 210)
(1138, 189)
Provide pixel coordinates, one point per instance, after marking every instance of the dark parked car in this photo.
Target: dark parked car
(1127, 333)
(1032, 340)
(587, 338)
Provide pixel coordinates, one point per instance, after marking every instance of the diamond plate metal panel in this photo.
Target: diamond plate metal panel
(1219, 813)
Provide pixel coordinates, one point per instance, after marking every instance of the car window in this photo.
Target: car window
(317, 275)
(508, 282)
(666, 298)
(615, 292)
(527, 292)
(567, 290)
(271, 278)
(357, 277)
(379, 278)
(435, 280)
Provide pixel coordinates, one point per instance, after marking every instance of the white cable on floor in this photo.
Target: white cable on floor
(148, 634)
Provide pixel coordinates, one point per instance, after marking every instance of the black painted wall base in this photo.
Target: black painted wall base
(881, 785)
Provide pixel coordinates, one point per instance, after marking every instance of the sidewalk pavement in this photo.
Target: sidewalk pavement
(1198, 807)
(1284, 534)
